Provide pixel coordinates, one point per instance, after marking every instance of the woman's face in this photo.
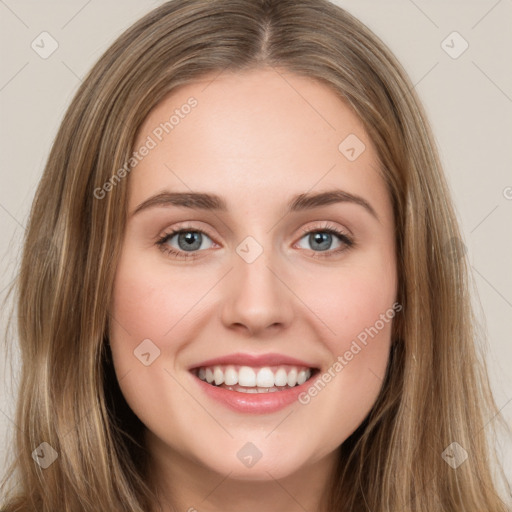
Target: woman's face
(270, 294)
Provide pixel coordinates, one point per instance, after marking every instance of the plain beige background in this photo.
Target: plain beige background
(467, 95)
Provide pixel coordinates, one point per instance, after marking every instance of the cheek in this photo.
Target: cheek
(146, 305)
(150, 323)
(354, 302)
(151, 301)
(358, 307)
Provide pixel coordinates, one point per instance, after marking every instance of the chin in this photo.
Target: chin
(261, 461)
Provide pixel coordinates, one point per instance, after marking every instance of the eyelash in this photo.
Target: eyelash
(327, 228)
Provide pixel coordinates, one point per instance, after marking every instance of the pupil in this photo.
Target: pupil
(318, 237)
(191, 238)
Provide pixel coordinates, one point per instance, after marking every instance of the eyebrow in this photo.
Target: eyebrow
(212, 202)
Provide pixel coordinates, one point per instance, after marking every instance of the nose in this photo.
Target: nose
(257, 298)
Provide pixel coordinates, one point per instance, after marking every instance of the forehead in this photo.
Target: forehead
(267, 131)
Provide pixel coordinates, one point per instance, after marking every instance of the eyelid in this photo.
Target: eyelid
(182, 226)
(326, 225)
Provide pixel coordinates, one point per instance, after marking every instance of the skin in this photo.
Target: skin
(256, 138)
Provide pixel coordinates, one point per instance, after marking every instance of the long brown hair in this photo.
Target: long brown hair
(436, 391)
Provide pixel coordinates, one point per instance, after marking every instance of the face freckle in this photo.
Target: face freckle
(256, 281)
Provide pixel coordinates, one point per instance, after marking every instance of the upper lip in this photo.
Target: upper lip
(271, 359)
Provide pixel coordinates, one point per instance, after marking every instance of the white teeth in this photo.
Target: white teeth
(241, 389)
(301, 377)
(265, 379)
(281, 377)
(292, 377)
(218, 375)
(230, 376)
(246, 376)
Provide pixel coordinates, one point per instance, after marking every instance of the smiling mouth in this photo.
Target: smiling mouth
(248, 379)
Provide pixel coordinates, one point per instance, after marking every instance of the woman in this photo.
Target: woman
(257, 372)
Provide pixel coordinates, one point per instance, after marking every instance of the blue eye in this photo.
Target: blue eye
(321, 238)
(190, 241)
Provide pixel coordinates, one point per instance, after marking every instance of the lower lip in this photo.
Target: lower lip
(256, 403)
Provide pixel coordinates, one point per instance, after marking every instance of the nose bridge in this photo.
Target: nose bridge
(257, 298)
